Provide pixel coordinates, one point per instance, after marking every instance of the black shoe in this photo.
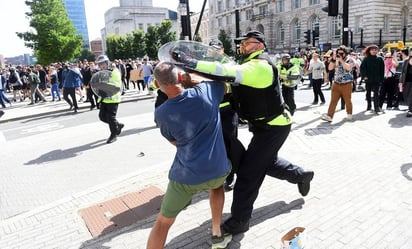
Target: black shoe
(71, 107)
(75, 110)
(304, 185)
(119, 128)
(92, 107)
(409, 114)
(314, 103)
(111, 139)
(234, 226)
(1, 113)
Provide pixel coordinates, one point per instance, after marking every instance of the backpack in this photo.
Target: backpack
(12, 78)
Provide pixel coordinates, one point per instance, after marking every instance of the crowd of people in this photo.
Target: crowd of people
(378, 73)
(68, 81)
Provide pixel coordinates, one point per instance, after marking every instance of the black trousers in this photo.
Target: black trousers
(317, 90)
(373, 87)
(388, 91)
(261, 159)
(234, 148)
(72, 92)
(289, 97)
(107, 114)
(93, 98)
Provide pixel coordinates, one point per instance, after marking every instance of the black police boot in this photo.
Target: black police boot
(119, 128)
(112, 138)
(304, 185)
(234, 226)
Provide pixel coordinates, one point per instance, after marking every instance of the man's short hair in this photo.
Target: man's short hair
(165, 74)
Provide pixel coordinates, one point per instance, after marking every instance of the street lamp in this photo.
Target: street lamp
(185, 19)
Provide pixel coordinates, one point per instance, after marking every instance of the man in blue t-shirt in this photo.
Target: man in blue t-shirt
(190, 120)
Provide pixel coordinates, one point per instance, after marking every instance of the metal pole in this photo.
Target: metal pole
(361, 37)
(200, 19)
(351, 39)
(345, 22)
(404, 35)
(188, 20)
(380, 38)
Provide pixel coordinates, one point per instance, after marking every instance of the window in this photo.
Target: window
(249, 14)
(141, 26)
(219, 22)
(313, 2)
(315, 24)
(228, 20)
(296, 31)
(386, 23)
(336, 27)
(219, 6)
(358, 23)
(295, 4)
(281, 34)
(280, 6)
(228, 4)
(263, 10)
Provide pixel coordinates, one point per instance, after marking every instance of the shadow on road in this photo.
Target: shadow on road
(404, 169)
(55, 155)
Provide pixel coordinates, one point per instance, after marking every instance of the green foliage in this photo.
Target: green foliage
(86, 54)
(224, 37)
(138, 44)
(53, 36)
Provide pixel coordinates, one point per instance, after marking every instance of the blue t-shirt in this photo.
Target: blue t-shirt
(192, 120)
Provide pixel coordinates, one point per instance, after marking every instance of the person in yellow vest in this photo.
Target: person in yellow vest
(289, 75)
(110, 104)
(256, 98)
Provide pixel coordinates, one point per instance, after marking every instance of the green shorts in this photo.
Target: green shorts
(178, 195)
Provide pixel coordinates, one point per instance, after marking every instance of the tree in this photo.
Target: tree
(224, 37)
(53, 37)
(139, 45)
(151, 39)
(165, 35)
(86, 54)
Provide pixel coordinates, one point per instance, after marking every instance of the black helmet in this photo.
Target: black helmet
(216, 44)
(253, 33)
(102, 59)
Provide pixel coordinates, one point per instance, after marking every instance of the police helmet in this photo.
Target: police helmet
(102, 59)
(216, 44)
(286, 57)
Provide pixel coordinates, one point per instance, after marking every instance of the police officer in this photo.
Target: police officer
(289, 75)
(109, 105)
(257, 99)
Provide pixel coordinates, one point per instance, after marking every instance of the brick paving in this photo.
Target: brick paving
(360, 196)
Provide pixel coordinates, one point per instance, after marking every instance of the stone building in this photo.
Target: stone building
(284, 21)
(134, 15)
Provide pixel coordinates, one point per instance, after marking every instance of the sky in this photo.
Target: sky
(14, 20)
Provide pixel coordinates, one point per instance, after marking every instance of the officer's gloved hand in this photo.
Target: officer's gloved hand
(182, 57)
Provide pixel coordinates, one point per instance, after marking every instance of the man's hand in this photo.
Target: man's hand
(180, 56)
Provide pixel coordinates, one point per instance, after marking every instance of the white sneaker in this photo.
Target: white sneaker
(326, 118)
(349, 117)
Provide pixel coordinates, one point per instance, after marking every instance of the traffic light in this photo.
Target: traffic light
(307, 36)
(315, 36)
(332, 8)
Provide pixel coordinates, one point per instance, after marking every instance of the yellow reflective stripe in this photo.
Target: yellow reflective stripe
(224, 104)
(282, 119)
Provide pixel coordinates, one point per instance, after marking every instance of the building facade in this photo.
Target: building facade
(135, 15)
(97, 47)
(284, 21)
(77, 13)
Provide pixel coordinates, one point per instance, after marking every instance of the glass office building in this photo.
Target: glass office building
(77, 13)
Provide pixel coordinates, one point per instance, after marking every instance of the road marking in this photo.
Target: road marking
(39, 124)
(42, 128)
(2, 137)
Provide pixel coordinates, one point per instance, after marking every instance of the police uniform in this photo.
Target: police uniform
(109, 105)
(289, 74)
(257, 99)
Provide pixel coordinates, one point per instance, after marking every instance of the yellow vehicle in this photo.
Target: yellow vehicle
(396, 45)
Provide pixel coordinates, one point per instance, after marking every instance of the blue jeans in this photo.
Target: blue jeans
(55, 89)
(3, 99)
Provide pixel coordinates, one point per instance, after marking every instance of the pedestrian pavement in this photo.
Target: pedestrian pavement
(360, 196)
